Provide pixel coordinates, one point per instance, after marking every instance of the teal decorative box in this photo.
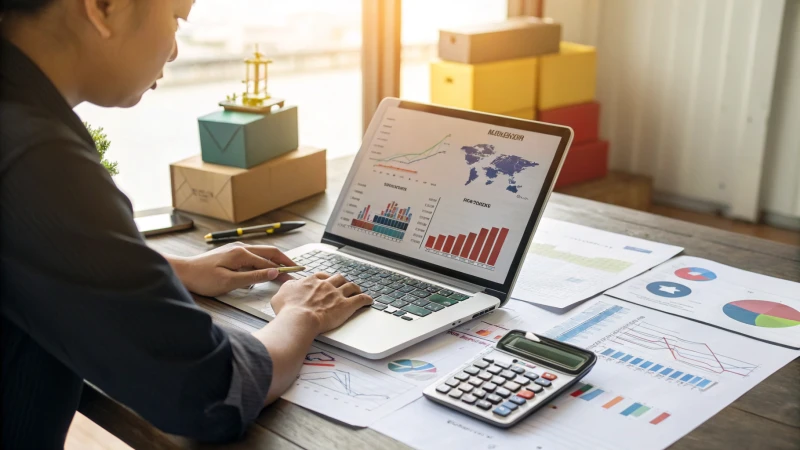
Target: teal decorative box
(245, 140)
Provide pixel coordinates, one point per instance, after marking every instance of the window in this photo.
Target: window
(315, 46)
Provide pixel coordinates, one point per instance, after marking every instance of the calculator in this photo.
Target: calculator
(508, 382)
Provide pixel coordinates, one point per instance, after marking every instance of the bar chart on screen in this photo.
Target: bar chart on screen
(390, 223)
(481, 248)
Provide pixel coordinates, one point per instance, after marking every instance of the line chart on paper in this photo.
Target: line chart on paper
(346, 381)
(636, 343)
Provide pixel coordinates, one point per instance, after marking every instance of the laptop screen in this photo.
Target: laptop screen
(449, 189)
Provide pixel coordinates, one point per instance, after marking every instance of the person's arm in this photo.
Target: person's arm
(79, 279)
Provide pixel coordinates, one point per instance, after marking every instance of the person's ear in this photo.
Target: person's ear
(100, 12)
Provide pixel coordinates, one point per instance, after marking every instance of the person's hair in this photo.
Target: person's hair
(23, 6)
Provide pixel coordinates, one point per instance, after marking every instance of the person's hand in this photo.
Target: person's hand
(327, 300)
(230, 267)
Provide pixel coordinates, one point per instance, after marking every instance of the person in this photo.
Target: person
(83, 296)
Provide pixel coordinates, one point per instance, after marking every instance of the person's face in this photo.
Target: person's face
(137, 40)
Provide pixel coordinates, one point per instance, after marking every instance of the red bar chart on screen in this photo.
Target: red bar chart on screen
(480, 248)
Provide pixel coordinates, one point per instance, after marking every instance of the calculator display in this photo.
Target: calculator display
(547, 351)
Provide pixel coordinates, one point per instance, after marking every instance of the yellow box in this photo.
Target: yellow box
(527, 113)
(235, 195)
(568, 77)
(494, 87)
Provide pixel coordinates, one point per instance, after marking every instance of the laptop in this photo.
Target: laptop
(433, 221)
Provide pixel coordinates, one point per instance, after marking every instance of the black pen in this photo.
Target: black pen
(270, 228)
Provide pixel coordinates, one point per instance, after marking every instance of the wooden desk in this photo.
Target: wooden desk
(766, 417)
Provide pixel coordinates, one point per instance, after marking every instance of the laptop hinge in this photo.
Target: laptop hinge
(439, 278)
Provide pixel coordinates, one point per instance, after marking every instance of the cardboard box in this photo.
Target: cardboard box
(519, 37)
(527, 113)
(584, 119)
(568, 77)
(495, 87)
(235, 194)
(245, 140)
(584, 162)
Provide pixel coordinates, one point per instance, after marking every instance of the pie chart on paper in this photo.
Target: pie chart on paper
(695, 274)
(762, 313)
(414, 369)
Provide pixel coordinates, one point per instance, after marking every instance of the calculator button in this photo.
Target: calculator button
(494, 398)
(472, 370)
(543, 382)
(503, 365)
(407, 318)
(465, 387)
(531, 376)
(511, 386)
(502, 411)
(490, 387)
(518, 370)
(522, 381)
(481, 364)
(456, 394)
(526, 394)
(483, 404)
(510, 405)
(508, 374)
(549, 376)
(489, 360)
(469, 399)
(452, 382)
(485, 376)
(498, 380)
(535, 388)
(480, 393)
(444, 389)
(503, 392)
(494, 370)
(461, 376)
(475, 381)
(517, 400)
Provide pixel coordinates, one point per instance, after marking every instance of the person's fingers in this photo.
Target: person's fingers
(243, 257)
(251, 277)
(361, 300)
(337, 280)
(350, 289)
(322, 275)
(271, 253)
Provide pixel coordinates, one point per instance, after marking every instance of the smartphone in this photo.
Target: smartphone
(162, 223)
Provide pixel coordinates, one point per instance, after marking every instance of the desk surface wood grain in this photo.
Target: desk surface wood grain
(767, 416)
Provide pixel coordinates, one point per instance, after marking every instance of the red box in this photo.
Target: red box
(584, 162)
(584, 119)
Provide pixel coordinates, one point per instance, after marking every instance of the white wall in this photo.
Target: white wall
(781, 186)
(686, 90)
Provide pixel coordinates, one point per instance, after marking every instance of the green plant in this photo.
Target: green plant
(102, 143)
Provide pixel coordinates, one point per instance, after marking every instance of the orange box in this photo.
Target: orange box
(584, 119)
(235, 195)
(584, 162)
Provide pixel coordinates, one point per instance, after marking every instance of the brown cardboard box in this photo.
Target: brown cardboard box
(235, 195)
(518, 37)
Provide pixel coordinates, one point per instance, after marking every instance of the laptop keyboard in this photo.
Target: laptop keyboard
(401, 296)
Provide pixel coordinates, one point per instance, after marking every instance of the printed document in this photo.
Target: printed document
(657, 378)
(755, 305)
(569, 263)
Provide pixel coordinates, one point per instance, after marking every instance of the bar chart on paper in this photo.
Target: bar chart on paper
(481, 248)
(390, 223)
(614, 403)
(648, 348)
